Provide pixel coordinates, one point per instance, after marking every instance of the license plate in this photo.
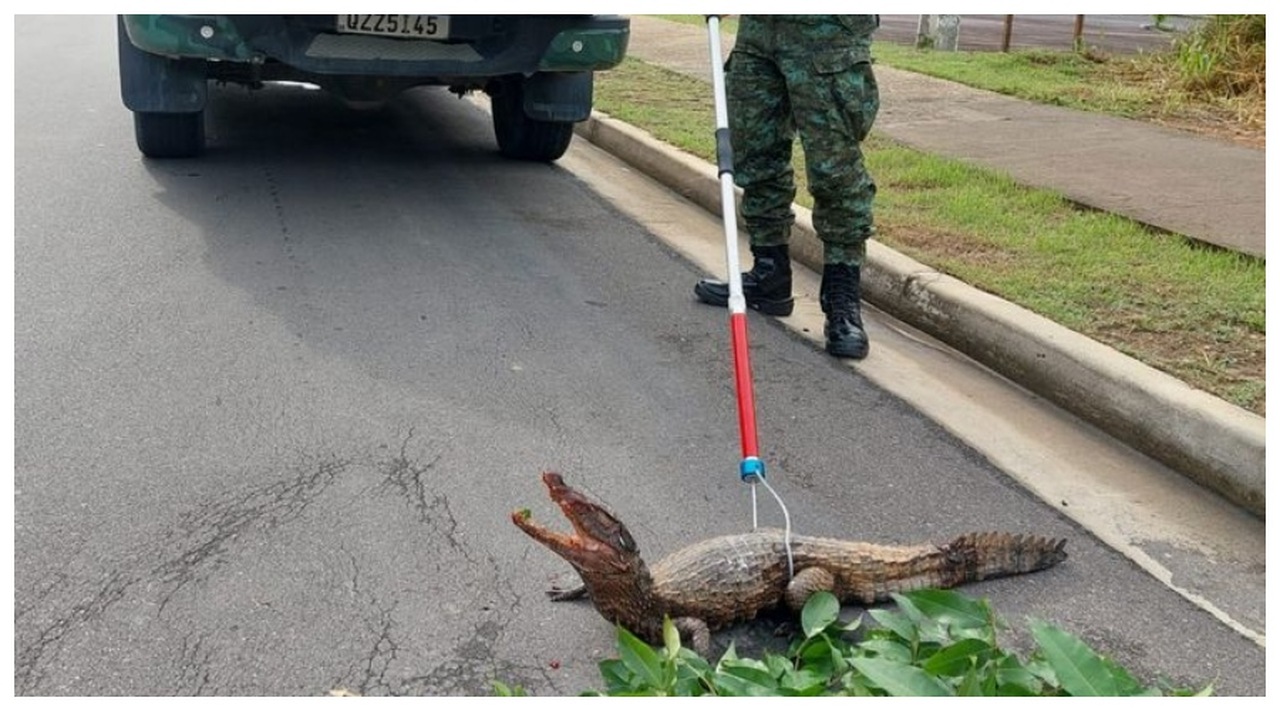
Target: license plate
(417, 26)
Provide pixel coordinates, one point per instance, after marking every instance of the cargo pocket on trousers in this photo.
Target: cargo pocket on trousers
(852, 85)
(859, 25)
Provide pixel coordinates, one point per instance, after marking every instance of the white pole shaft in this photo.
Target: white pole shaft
(737, 303)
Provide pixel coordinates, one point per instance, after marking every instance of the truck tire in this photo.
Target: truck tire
(169, 135)
(521, 137)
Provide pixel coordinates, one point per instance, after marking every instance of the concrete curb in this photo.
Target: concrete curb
(1213, 442)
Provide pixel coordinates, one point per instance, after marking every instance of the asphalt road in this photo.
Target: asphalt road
(273, 408)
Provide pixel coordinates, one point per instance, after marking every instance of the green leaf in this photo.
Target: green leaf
(854, 686)
(689, 658)
(740, 678)
(971, 685)
(820, 656)
(777, 665)
(896, 623)
(820, 610)
(730, 654)
(927, 628)
(502, 689)
(1080, 670)
(637, 692)
(640, 658)
(1041, 669)
(900, 679)
(748, 669)
(670, 637)
(729, 685)
(951, 608)
(852, 625)
(616, 675)
(1206, 691)
(691, 687)
(956, 659)
(1170, 689)
(887, 649)
(1010, 673)
(803, 682)
(691, 682)
(1016, 690)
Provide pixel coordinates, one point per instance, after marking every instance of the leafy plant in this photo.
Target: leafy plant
(501, 689)
(936, 643)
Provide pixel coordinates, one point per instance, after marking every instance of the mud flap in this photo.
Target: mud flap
(558, 96)
(150, 83)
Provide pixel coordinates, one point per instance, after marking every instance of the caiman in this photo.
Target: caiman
(719, 581)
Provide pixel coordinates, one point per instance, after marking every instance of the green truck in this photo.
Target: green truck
(537, 69)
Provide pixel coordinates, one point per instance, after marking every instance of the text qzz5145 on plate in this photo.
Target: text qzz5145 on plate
(419, 26)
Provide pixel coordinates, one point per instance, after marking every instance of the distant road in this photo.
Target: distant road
(1121, 34)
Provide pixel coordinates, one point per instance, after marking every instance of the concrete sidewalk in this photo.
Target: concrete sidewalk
(1212, 442)
(1201, 188)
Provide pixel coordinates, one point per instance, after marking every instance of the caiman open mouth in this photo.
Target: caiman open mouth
(597, 539)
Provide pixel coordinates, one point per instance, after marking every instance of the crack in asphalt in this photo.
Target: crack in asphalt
(194, 662)
(205, 534)
(199, 538)
(198, 543)
(406, 476)
(381, 654)
(57, 580)
(476, 662)
(27, 671)
(368, 675)
(473, 666)
(465, 672)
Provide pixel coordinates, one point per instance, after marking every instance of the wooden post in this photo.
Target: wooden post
(1008, 33)
(1077, 39)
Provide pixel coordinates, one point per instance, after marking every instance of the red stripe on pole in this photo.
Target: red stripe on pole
(742, 379)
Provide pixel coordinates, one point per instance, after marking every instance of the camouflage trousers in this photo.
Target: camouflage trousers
(809, 75)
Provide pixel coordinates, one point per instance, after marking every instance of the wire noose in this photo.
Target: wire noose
(786, 520)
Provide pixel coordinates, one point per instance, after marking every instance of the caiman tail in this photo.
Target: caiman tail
(980, 556)
(966, 559)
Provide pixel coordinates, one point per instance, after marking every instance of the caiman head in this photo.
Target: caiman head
(601, 549)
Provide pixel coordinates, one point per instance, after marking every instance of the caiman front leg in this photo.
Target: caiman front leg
(576, 592)
(805, 584)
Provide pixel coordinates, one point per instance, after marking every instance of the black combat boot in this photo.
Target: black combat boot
(840, 298)
(767, 287)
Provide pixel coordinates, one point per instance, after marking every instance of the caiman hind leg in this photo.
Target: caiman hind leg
(805, 584)
(696, 635)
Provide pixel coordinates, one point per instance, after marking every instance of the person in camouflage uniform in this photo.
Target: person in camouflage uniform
(809, 75)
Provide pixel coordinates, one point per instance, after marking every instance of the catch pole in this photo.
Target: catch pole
(752, 466)
(752, 469)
